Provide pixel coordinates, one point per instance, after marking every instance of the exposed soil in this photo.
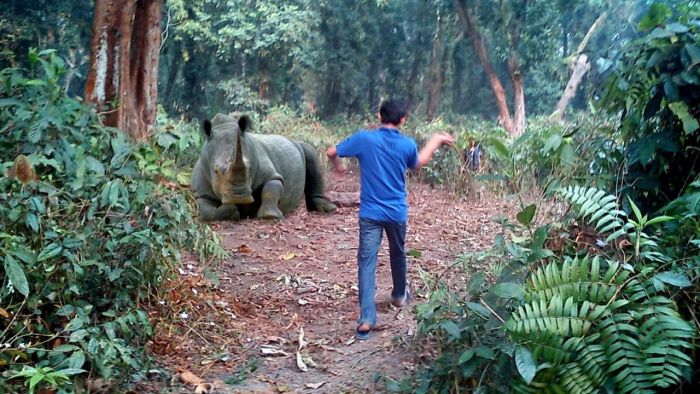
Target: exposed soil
(298, 277)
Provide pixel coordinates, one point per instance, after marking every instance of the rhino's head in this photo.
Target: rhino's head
(229, 162)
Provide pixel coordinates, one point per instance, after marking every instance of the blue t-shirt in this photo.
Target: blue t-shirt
(384, 155)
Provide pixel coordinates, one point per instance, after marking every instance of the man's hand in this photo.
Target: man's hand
(442, 139)
(338, 168)
(436, 141)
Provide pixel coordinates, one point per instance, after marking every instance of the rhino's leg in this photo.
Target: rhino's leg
(210, 211)
(313, 187)
(270, 198)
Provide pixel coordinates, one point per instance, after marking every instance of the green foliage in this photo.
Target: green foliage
(655, 86)
(580, 323)
(91, 225)
(549, 155)
(594, 321)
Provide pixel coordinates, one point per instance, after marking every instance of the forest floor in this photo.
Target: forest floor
(296, 278)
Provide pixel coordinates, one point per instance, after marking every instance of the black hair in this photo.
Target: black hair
(391, 111)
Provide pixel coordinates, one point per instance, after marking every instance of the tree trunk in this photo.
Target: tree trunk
(518, 96)
(579, 69)
(122, 81)
(471, 29)
(516, 77)
(458, 71)
(434, 80)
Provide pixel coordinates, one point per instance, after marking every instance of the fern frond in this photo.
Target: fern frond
(597, 323)
(561, 317)
(579, 278)
(599, 209)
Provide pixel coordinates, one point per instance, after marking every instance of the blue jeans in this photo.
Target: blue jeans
(370, 240)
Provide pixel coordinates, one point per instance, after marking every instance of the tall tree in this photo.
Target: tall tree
(122, 81)
(471, 29)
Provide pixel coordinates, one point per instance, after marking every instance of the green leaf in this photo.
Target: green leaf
(567, 154)
(680, 109)
(525, 363)
(166, 139)
(475, 283)
(498, 146)
(508, 290)
(71, 371)
(466, 356)
(478, 309)
(16, 275)
(673, 278)
(485, 352)
(659, 219)
(49, 252)
(635, 209)
(658, 14)
(693, 53)
(7, 102)
(35, 380)
(526, 215)
(414, 253)
(552, 143)
(451, 328)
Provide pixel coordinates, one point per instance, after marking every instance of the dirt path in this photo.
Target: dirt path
(299, 276)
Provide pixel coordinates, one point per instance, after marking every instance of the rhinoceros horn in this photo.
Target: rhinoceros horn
(238, 164)
(239, 192)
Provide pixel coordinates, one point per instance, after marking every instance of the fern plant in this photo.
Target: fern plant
(591, 322)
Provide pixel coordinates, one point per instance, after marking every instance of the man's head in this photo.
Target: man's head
(392, 111)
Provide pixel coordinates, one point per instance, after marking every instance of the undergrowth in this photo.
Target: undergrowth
(90, 226)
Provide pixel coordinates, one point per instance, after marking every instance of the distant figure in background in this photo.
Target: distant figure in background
(472, 155)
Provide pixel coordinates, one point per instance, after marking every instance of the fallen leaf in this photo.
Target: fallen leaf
(300, 363)
(188, 377)
(332, 349)
(314, 385)
(268, 350)
(244, 249)
(288, 256)
(4, 313)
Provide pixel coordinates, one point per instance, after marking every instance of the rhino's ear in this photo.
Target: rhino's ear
(206, 128)
(244, 123)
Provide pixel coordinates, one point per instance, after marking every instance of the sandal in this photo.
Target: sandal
(361, 335)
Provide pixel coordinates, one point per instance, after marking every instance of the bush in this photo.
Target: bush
(90, 224)
(590, 314)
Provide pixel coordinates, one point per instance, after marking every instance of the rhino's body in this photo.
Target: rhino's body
(267, 180)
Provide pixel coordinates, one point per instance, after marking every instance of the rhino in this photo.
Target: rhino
(240, 174)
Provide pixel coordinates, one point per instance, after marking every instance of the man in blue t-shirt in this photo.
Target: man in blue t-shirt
(384, 155)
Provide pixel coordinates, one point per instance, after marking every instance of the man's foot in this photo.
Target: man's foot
(402, 301)
(362, 331)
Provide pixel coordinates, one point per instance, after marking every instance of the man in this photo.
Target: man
(384, 155)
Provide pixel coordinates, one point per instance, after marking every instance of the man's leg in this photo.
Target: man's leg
(370, 239)
(396, 235)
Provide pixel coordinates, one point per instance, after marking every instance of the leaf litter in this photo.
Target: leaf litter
(287, 299)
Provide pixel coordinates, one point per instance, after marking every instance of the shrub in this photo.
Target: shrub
(90, 225)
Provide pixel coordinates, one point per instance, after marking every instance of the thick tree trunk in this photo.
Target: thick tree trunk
(471, 29)
(122, 81)
(579, 69)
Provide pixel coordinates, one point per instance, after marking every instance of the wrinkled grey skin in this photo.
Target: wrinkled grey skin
(241, 174)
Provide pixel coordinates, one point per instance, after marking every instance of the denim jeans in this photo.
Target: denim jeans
(370, 240)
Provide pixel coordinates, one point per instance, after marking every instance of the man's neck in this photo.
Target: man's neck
(389, 126)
